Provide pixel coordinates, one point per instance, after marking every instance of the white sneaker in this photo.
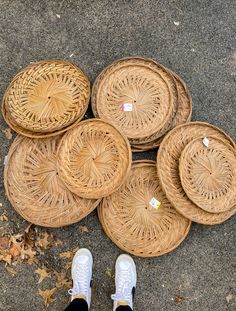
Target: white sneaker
(125, 279)
(81, 273)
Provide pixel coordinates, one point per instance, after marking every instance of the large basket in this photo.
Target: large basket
(208, 173)
(94, 159)
(144, 84)
(133, 220)
(183, 114)
(46, 98)
(34, 188)
(168, 169)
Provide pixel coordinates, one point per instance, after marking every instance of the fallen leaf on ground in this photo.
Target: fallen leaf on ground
(43, 274)
(8, 133)
(3, 217)
(7, 258)
(44, 241)
(83, 229)
(109, 273)
(68, 265)
(11, 271)
(178, 299)
(28, 235)
(47, 296)
(4, 242)
(229, 297)
(69, 254)
(58, 242)
(27, 253)
(62, 280)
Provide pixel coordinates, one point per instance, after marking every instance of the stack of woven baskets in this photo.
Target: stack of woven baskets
(60, 168)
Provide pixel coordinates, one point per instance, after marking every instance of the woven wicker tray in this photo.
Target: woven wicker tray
(147, 86)
(183, 114)
(46, 97)
(94, 159)
(34, 188)
(208, 174)
(133, 224)
(168, 169)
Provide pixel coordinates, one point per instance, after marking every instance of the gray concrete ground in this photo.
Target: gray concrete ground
(194, 38)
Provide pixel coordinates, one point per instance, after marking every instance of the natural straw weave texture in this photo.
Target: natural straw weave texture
(94, 159)
(147, 86)
(133, 224)
(208, 174)
(34, 188)
(168, 169)
(183, 114)
(46, 97)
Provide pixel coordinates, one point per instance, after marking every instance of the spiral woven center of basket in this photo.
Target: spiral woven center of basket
(49, 99)
(211, 173)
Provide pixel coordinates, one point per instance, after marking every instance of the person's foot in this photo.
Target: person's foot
(125, 280)
(81, 273)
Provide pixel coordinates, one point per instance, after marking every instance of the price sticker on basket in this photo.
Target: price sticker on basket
(127, 107)
(155, 203)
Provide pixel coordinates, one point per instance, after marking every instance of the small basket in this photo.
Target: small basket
(34, 188)
(183, 114)
(135, 222)
(168, 169)
(208, 173)
(94, 159)
(46, 98)
(138, 96)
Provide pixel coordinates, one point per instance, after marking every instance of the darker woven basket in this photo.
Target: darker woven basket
(94, 159)
(145, 84)
(168, 169)
(46, 98)
(34, 188)
(136, 226)
(208, 174)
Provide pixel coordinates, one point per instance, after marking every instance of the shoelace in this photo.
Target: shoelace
(123, 290)
(81, 285)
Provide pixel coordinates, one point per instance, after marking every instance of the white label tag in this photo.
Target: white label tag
(127, 107)
(205, 141)
(155, 203)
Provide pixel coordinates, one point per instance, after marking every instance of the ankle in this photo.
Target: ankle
(80, 297)
(122, 303)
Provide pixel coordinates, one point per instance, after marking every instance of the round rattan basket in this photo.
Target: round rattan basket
(208, 174)
(46, 98)
(183, 114)
(168, 170)
(148, 89)
(134, 221)
(94, 159)
(34, 188)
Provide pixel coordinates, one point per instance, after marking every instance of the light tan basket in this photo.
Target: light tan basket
(133, 224)
(183, 114)
(94, 159)
(46, 97)
(147, 86)
(34, 188)
(208, 173)
(168, 169)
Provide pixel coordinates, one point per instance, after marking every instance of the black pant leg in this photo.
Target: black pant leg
(78, 304)
(123, 308)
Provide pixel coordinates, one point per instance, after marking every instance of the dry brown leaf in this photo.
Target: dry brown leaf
(44, 241)
(8, 133)
(47, 296)
(68, 254)
(62, 280)
(4, 243)
(27, 253)
(28, 235)
(7, 258)
(58, 242)
(68, 265)
(178, 299)
(11, 271)
(3, 217)
(83, 229)
(43, 274)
